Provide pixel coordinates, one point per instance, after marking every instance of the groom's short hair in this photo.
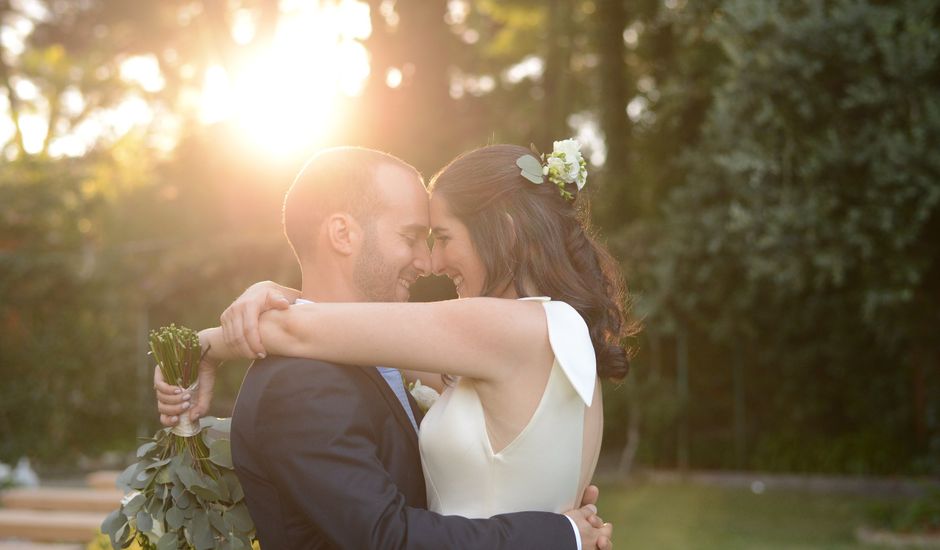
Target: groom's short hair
(338, 179)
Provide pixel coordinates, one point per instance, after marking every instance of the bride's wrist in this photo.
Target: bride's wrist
(212, 346)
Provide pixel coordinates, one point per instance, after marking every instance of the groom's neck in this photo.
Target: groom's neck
(319, 285)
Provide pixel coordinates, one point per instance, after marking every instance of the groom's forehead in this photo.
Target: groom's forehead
(388, 174)
(397, 187)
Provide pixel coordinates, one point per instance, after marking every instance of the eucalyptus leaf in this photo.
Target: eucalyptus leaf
(222, 487)
(209, 492)
(112, 523)
(164, 476)
(146, 448)
(236, 493)
(202, 534)
(124, 479)
(188, 476)
(217, 523)
(174, 518)
(158, 463)
(127, 537)
(144, 521)
(141, 480)
(158, 515)
(531, 168)
(220, 452)
(238, 514)
(223, 425)
(134, 504)
(168, 541)
(184, 501)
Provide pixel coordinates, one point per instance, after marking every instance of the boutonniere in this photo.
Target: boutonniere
(425, 396)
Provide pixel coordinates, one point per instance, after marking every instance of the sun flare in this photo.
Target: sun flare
(288, 97)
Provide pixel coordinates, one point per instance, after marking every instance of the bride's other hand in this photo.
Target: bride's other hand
(592, 529)
(240, 320)
(590, 496)
(173, 401)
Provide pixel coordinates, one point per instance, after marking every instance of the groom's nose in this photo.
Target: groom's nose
(422, 261)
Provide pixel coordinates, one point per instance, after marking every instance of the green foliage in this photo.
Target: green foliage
(176, 499)
(61, 343)
(805, 227)
(773, 195)
(918, 515)
(94, 251)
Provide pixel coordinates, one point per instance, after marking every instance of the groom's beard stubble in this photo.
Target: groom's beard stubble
(375, 277)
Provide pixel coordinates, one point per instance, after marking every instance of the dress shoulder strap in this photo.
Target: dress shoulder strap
(571, 342)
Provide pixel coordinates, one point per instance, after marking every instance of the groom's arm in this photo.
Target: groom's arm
(321, 450)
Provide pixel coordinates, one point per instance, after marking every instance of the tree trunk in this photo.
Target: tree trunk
(682, 391)
(628, 456)
(611, 19)
(740, 418)
(5, 79)
(556, 79)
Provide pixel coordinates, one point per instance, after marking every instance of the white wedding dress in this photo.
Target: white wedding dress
(541, 469)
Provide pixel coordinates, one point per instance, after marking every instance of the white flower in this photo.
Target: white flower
(558, 166)
(568, 163)
(582, 176)
(424, 395)
(570, 147)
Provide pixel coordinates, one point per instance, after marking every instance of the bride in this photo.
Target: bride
(540, 320)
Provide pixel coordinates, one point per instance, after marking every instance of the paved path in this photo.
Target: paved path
(32, 519)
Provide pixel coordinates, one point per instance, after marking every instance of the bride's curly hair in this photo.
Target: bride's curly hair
(525, 232)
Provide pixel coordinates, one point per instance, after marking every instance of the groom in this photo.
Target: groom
(328, 456)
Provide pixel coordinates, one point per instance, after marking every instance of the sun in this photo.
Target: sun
(287, 98)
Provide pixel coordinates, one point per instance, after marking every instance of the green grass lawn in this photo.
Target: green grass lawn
(683, 517)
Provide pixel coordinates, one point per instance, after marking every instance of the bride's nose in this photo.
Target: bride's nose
(437, 261)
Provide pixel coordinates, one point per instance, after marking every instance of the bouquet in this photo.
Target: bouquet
(182, 492)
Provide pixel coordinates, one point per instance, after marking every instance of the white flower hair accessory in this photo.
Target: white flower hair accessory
(562, 166)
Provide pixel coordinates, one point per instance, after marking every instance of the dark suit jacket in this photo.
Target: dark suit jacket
(328, 459)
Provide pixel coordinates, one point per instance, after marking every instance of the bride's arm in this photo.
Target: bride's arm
(483, 338)
(240, 320)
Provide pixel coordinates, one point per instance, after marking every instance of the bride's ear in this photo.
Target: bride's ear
(343, 233)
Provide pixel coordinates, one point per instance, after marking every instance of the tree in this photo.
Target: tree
(814, 167)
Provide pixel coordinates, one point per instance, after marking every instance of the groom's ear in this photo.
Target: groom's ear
(343, 233)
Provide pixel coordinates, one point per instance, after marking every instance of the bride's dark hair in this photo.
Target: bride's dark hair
(525, 232)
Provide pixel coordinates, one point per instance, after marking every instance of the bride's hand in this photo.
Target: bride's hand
(590, 495)
(593, 531)
(240, 320)
(173, 401)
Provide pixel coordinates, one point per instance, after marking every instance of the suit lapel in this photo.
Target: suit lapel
(394, 404)
(419, 414)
